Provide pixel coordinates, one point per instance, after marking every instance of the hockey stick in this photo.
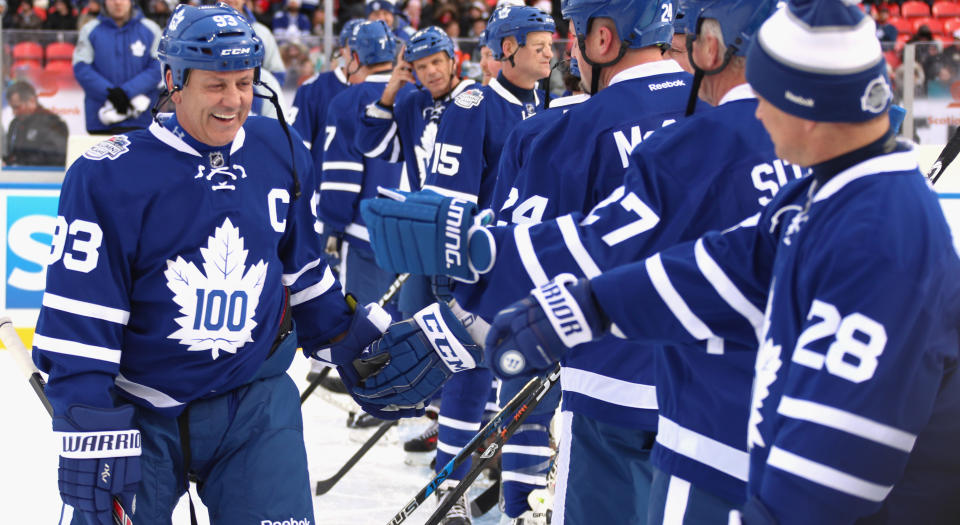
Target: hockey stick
(518, 407)
(947, 155)
(11, 340)
(324, 485)
(487, 499)
(543, 386)
(314, 384)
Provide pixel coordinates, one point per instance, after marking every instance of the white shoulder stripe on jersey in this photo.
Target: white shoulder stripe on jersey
(342, 165)
(528, 257)
(96, 311)
(827, 476)
(341, 186)
(315, 290)
(148, 394)
(288, 279)
(539, 480)
(608, 389)
(529, 450)
(903, 161)
(458, 424)
(676, 304)
(63, 346)
(451, 193)
(571, 238)
(848, 422)
(357, 230)
(391, 133)
(698, 447)
(726, 289)
(395, 156)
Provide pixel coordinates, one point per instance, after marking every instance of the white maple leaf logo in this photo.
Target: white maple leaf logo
(765, 374)
(218, 304)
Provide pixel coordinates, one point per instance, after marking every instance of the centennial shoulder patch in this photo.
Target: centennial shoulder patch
(469, 99)
(111, 148)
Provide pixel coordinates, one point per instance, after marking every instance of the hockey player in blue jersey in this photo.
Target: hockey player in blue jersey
(313, 96)
(348, 175)
(184, 272)
(844, 287)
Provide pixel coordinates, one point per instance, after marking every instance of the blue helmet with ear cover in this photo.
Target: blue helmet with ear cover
(639, 23)
(515, 21)
(377, 5)
(373, 42)
(739, 19)
(426, 42)
(212, 38)
(348, 28)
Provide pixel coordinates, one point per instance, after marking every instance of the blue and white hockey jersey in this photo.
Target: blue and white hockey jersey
(414, 119)
(848, 285)
(349, 176)
(309, 111)
(471, 137)
(666, 196)
(169, 267)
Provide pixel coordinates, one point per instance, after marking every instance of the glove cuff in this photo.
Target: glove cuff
(448, 337)
(569, 306)
(91, 432)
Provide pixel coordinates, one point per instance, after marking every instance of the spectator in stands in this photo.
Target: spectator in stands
(939, 85)
(886, 31)
(89, 13)
(36, 136)
(61, 16)
(115, 63)
(927, 50)
(159, 11)
(290, 23)
(387, 11)
(27, 16)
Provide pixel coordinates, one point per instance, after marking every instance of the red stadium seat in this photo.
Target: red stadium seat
(949, 26)
(944, 9)
(27, 51)
(893, 59)
(893, 8)
(935, 25)
(26, 66)
(60, 51)
(59, 66)
(904, 26)
(914, 9)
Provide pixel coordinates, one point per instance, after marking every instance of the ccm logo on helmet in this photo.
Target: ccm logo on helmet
(235, 51)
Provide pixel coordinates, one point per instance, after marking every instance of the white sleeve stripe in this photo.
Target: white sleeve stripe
(848, 422)
(528, 257)
(62, 346)
(341, 186)
(530, 450)
(288, 279)
(315, 290)
(96, 311)
(449, 449)
(703, 449)
(375, 152)
(148, 394)
(539, 480)
(572, 239)
(395, 156)
(827, 476)
(676, 304)
(350, 166)
(726, 289)
(451, 193)
(458, 424)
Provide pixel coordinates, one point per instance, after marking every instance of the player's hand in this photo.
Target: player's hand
(99, 459)
(332, 248)
(118, 97)
(426, 233)
(409, 364)
(401, 75)
(533, 334)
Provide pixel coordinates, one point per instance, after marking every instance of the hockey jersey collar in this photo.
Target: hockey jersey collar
(378, 77)
(741, 92)
(505, 93)
(884, 155)
(460, 88)
(169, 138)
(660, 67)
(341, 76)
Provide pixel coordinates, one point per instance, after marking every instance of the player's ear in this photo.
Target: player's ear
(509, 46)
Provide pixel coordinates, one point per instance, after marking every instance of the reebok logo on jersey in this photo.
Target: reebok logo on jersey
(563, 311)
(291, 521)
(797, 99)
(666, 85)
(454, 355)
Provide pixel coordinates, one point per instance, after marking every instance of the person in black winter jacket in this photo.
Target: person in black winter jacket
(36, 136)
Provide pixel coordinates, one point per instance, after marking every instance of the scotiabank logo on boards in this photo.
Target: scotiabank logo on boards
(30, 223)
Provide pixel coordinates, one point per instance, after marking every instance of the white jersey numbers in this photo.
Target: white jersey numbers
(445, 160)
(857, 343)
(530, 211)
(84, 238)
(646, 217)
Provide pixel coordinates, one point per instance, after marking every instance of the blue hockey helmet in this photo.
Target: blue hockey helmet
(683, 23)
(377, 5)
(739, 20)
(639, 23)
(515, 21)
(426, 42)
(373, 42)
(348, 28)
(213, 38)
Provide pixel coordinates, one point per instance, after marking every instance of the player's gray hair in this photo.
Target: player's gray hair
(711, 27)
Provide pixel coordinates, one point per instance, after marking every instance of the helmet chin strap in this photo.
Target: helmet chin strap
(275, 100)
(597, 67)
(699, 73)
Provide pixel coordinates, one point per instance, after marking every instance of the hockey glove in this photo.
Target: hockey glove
(118, 97)
(99, 459)
(536, 332)
(419, 355)
(428, 234)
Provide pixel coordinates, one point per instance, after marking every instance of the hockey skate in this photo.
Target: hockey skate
(459, 513)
